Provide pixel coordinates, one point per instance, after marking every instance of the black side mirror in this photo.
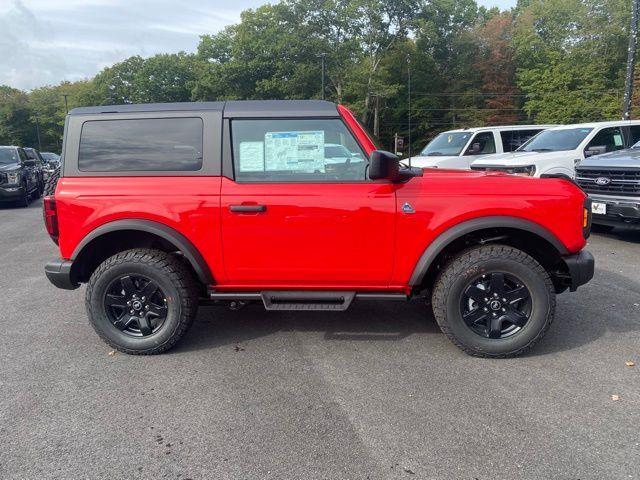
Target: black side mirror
(384, 166)
(474, 149)
(29, 163)
(591, 151)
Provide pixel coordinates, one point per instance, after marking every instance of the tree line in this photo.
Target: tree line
(544, 61)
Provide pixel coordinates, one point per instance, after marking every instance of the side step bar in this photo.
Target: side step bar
(304, 300)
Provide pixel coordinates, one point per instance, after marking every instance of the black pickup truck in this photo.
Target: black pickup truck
(612, 181)
(20, 176)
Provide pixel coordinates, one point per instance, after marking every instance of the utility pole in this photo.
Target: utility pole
(38, 133)
(323, 57)
(66, 104)
(631, 62)
(409, 91)
(376, 117)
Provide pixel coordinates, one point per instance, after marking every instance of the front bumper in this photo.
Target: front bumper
(9, 193)
(621, 212)
(59, 274)
(581, 268)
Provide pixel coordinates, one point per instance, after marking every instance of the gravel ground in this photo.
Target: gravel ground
(374, 393)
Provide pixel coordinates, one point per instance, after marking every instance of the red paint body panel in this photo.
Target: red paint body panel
(329, 236)
(310, 234)
(190, 205)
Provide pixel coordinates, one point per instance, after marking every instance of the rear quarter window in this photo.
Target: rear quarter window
(141, 145)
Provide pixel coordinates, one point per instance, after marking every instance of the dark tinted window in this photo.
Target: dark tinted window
(513, 139)
(635, 134)
(31, 154)
(610, 139)
(142, 145)
(296, 151)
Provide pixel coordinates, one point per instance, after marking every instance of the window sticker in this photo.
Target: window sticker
(617, 139)
(251, 156)
(294, 151)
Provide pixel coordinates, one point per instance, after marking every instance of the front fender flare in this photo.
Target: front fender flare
(473, 225)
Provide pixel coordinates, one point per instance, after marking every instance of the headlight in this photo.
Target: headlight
(528, 171)
(13, 177)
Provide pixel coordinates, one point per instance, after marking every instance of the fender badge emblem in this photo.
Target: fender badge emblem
(407, 208)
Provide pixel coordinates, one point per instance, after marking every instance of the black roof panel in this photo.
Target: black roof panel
(149, 107)
(232, 109)
(279, 108)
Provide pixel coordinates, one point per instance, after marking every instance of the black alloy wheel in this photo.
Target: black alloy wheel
(496, 305)
(136, 305)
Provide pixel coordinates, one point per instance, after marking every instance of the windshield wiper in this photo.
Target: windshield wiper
(434, 154)
(540, 150)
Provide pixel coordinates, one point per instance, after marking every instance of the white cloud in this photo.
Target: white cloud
(43, 42)
(47, 41)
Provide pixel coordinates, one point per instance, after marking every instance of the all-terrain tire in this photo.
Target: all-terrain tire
(455, 278)
(174, 280)
(52, 182)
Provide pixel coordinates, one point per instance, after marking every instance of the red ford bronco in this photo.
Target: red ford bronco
(289, 203)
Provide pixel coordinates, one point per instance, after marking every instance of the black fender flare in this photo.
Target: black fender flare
(169, 234)
(473, 225)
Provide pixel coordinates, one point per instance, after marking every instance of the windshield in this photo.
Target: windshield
(8, 156)
(50, 156)
(447, 143)
(556, 140)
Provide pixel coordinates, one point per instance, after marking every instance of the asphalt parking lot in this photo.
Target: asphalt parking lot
(374, 393)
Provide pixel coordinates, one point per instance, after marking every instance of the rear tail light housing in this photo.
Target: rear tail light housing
(50, 214)
(586, 218)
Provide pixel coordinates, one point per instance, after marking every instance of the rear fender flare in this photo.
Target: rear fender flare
(169, 234)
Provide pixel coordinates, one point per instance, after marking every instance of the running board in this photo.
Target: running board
(304, 300)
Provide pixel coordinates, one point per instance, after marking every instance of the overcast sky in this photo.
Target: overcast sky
(43, 42)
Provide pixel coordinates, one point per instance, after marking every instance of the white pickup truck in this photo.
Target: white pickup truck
(459, 148)
(558, 150)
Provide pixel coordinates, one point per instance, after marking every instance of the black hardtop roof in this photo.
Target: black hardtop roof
(230, 109)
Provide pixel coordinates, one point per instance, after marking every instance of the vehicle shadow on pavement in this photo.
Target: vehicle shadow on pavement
(16, 206)
(580, 320)
(364, 321)
(591, 312)
(624, 235)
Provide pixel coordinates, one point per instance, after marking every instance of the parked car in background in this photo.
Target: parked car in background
(558, 150)
(39, 165)
(612, 181)
(242, 201)
(51, 157)
(20, 178)
(52, 162)
(458, 148)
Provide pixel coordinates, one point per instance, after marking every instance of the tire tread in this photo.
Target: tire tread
(460, 264)
(175, 271)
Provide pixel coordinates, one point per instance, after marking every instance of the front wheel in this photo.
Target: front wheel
(141, 301)
(494, 301)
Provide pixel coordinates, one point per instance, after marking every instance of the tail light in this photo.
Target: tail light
(50, 213)
(586, 218)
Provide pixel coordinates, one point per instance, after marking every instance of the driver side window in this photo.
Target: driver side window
(280, 151)
(482, 144)
(609, 139)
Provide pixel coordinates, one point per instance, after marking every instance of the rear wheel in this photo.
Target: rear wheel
(494, 301)
(141, 301)
(52, 182)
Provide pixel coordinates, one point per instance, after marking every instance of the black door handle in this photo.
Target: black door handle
(248, 208)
